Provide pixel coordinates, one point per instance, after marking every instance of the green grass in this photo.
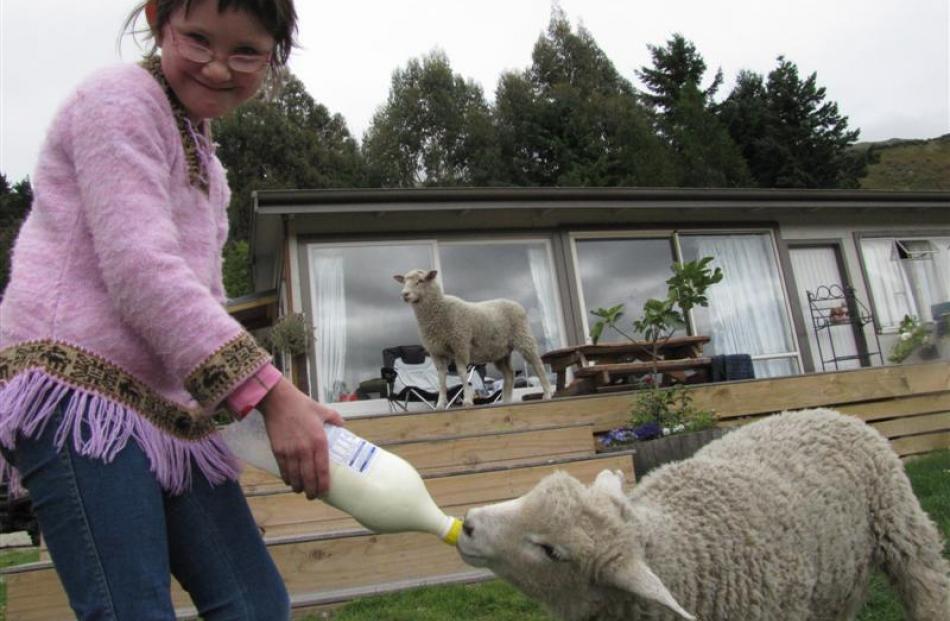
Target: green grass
(489, 601)
(496, 601)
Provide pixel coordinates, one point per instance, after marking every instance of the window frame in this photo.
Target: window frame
(306, 244)
(675, 233)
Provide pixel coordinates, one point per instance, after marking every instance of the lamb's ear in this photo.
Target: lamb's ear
(431, 274)
(399, 278)
(636, 577)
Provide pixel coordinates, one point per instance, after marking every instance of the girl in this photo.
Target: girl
(114, 346)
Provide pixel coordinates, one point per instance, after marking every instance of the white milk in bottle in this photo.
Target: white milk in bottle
(382, 491)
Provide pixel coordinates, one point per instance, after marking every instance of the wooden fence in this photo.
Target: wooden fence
(476, 456)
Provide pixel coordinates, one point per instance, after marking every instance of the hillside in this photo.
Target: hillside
(909, 164)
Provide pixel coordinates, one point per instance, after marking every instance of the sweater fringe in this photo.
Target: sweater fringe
(99, 428)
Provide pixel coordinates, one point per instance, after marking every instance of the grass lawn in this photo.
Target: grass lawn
(496, 601)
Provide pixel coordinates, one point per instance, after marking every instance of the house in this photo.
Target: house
(815, 280)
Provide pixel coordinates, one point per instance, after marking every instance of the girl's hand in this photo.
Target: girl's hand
(294, 425)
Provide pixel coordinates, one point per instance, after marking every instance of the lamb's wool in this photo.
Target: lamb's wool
(455, 330)
(115, 288)
(783, 519)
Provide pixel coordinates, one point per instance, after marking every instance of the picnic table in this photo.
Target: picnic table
(608, 367)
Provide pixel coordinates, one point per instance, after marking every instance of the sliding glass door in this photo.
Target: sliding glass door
(748, 312)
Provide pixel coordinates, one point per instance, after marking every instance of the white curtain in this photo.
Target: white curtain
(889, 283)
(331, 324)
(928, 280)
(746, 313)
(543, 282)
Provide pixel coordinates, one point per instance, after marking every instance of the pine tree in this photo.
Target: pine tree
(684, 116)
(790, 135)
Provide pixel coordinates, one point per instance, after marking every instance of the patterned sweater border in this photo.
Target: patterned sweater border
(84, 370)
(217, 376)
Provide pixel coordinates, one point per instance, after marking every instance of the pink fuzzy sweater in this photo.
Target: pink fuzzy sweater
(115, 295)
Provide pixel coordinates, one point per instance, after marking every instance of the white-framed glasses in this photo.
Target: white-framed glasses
(197, 52)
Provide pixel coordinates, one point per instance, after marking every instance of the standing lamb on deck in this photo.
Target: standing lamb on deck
(785, 518)
(470, 333)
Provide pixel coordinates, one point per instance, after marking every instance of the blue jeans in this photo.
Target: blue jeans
(116, 538)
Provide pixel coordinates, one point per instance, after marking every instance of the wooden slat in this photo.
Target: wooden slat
(900, 406)
(325, 565)
(471, 452)
(913, 425)
(822, 389)
(913, 445)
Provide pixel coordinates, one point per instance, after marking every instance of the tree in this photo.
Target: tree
(571, 119)
(435, 130)
(285, 141)
(684, 115)
(791, 136)
(15, 204)
(676, 66)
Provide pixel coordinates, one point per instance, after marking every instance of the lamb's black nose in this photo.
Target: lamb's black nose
(468, 528)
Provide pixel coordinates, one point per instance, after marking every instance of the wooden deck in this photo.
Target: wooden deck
(475, 456)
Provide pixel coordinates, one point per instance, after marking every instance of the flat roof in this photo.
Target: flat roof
(275, 202)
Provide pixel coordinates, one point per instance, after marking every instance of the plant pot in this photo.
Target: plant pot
(653, 453)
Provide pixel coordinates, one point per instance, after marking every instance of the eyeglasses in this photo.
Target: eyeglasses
(197, 52)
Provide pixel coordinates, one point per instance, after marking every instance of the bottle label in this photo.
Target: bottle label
(350, 450)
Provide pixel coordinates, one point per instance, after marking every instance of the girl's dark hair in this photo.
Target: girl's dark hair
(277, 16)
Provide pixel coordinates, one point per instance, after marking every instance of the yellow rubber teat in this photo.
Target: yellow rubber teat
(452, 536)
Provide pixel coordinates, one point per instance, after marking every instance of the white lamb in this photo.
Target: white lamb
(470, 333)
(784, 519)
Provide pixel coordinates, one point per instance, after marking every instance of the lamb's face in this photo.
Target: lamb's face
(415, 284)
(545, 543)
(567, 545)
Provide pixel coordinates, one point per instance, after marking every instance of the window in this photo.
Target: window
(358, 311)
(628, 271)
(906, 276)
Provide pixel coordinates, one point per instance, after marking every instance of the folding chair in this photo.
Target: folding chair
(412, 378)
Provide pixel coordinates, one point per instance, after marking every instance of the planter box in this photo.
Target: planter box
(649, 454)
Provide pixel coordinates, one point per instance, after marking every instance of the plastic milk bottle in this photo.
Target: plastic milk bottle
(382, 491)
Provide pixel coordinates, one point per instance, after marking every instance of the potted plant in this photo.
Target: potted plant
(292, 334)
(660, 415)
(914, 338)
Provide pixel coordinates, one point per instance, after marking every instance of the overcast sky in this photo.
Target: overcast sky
(885, 62)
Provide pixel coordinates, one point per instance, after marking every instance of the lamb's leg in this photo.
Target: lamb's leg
(531, 355)
(508, 377)
(910, 545)
(468, 394)
(442, 368)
